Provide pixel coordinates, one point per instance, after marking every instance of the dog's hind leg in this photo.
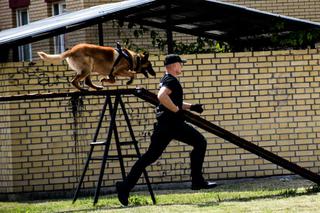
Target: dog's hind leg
(80, 77)
(75, 82)
(92, 85)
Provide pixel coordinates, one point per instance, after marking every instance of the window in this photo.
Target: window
(25, 52)
(59, 41)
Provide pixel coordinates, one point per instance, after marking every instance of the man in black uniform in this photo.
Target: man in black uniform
(170, 125)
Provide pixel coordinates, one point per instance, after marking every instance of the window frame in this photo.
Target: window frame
(59, 41)
(27, 48)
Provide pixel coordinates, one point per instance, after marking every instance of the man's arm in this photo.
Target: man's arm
(186, 105)
(163, 97)
(193, 107)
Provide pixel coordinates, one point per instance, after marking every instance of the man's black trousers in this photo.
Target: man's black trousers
(163, 133)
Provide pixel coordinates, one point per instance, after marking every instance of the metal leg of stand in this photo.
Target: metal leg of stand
(83, 174)
(112, 130)
(103, 164)
(91, 148)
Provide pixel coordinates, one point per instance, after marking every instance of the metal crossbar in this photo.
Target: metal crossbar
(68, 94)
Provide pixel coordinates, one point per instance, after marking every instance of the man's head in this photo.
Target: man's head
(173, 58)
(173, 64)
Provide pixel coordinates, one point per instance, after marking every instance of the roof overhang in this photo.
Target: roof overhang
(71, 21)
(207, 18)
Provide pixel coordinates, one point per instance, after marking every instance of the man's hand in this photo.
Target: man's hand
(196, 108)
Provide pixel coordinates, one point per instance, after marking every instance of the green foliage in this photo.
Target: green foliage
(285, 40)
(201, 45)
(313, 188)
(292, 40)
(296, 40)
(289, 192)
(136, 200)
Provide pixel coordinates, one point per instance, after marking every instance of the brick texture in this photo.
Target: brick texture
(270, 98)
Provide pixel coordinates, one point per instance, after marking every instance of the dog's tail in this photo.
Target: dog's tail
(53, 58)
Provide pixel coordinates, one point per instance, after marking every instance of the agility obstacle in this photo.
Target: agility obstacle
(113, 108)
(152, 99)
(112, 131)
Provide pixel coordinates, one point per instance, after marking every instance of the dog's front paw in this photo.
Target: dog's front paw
(99, 87)
(108, 81)
(130, 81)
(84, 89)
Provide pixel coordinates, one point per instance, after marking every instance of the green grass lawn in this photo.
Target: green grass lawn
(249, 195)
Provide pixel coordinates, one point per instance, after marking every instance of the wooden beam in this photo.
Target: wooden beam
(66, 94)
(236, 140)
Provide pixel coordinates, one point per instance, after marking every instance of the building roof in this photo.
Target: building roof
(68, 22)
(208, 18)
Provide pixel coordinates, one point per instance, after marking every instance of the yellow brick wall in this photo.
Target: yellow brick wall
(5, 144)
(6, 166)
(270, 98)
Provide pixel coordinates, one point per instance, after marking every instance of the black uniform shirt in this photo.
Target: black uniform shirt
(176, 95)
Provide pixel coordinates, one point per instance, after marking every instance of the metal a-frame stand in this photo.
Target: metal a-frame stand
(112, 130)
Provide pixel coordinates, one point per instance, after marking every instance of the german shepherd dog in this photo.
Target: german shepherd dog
(107, 62)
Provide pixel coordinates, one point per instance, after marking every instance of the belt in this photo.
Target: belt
(167, 115)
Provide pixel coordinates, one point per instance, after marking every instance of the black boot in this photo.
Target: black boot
(203, 185)
(123, 193)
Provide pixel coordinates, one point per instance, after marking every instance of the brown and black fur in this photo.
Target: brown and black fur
(86, 59)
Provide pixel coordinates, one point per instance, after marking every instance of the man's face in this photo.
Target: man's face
(175, 69)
